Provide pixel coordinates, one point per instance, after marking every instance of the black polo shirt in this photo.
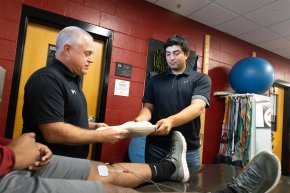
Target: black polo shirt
(54, 94)
(170, 94)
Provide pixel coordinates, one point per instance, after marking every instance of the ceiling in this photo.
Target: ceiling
(264, 23)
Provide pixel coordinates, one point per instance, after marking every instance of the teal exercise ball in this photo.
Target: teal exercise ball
(136, 150)
(251, 75)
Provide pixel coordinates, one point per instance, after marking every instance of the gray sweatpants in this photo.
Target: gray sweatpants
(62, 175)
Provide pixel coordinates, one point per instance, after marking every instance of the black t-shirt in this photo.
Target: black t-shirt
(170, 94)
(54, 94)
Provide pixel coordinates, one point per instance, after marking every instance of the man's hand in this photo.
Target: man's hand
(26, 151)
(164, 126)
(112, 135)
(139, 119)
(45, 157)
(94, 125)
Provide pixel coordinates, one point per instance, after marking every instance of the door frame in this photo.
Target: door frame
(31, 14)
(285, 157)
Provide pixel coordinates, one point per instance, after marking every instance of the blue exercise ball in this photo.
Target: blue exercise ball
(252, 75)
(137, 150)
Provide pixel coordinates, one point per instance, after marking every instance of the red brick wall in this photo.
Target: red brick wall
(133, 22)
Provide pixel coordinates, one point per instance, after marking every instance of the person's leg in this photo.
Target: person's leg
(173, 167)
(59, 168)
(62, 167)
(122, 174)
(81, 169)
(62, 175)
(154, 154)
(193, 160)
(24, 181)
(261, 175)
(69, 175)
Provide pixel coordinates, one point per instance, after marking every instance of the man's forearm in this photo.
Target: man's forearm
(145, 113)
(186, 115)
(64, 133)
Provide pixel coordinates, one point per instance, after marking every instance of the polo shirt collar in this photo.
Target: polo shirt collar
(188, 70)
(65, 70)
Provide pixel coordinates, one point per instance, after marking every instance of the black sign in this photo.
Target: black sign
(124, 70)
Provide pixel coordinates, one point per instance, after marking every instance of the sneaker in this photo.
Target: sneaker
(177, 156)
(261, 175)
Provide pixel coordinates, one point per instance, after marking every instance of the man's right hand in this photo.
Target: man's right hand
(26, 151)
(44, 159)
(113, 135)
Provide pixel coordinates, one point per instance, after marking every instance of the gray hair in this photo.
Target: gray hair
(70, 35)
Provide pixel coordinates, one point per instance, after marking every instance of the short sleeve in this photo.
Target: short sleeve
(202, 89)
(149, 92)
(44, 99)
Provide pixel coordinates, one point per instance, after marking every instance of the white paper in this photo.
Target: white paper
(263, 115)
(122, 87)
(259, 115)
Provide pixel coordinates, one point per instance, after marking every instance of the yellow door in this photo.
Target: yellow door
(38, 39)
(278, 132)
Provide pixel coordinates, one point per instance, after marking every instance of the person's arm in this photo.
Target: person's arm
(45, 104)
(4, 141)
(200, 100)
(18, 154)
(23, 153)
(44, 159)
(7, 160)
(189, 113)
(64, 133)
(26, 151)
(148, 103)
(145, 113)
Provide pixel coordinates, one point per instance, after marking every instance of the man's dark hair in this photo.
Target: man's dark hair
(179, 41)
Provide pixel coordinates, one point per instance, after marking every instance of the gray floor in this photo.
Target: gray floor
(210, 178)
